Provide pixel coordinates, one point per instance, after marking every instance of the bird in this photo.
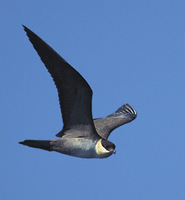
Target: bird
(81, 135)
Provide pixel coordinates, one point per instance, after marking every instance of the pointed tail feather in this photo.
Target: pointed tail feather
(41, 144)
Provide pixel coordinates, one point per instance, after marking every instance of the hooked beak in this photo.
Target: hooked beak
(114, 151)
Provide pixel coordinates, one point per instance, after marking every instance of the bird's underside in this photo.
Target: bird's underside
(81, 136)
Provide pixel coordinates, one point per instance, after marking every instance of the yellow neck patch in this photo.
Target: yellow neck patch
(100, 150)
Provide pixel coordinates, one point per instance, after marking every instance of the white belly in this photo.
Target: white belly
(78, 147)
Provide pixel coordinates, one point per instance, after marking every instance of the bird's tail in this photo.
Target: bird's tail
(41, 144)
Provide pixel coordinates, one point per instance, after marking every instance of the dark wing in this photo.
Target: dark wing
(104, 126)
(75, 95)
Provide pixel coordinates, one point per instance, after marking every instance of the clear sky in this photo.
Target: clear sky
(129, 52)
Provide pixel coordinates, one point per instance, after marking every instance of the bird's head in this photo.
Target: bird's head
(105, 148)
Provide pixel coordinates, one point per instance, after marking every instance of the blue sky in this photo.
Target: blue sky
(129, 52)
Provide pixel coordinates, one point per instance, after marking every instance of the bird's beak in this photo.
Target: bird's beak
(114, 151)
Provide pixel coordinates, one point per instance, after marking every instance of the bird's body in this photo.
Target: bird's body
(81, 136)
(78, 147)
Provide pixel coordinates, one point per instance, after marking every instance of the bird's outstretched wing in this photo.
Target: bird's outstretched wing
(75, 95)
(104, 126)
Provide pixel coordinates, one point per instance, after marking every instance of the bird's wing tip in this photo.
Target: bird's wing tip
(125, 111)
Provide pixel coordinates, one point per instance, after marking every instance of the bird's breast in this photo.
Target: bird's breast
(78, 147)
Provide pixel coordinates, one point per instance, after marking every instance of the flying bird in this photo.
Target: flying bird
(81, 136)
